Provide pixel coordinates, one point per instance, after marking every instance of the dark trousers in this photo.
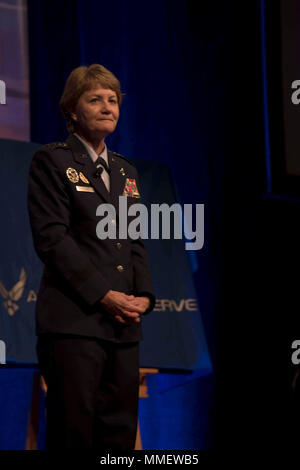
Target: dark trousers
(92, 396)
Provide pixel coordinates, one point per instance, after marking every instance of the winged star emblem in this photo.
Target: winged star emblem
(14, 294)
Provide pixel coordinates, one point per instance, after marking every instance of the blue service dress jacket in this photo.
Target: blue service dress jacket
(64, 192)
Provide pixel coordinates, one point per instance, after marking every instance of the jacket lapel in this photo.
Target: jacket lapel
(88, 167)
(117, 179)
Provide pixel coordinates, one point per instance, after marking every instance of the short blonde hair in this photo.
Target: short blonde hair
(82, 79)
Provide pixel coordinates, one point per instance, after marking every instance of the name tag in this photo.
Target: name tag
(87, 189)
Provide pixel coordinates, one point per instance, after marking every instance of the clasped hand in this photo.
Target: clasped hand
(126, 309)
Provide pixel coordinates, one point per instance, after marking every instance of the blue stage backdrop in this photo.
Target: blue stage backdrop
(173, 333)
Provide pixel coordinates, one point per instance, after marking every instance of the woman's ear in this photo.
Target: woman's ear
(73, 116)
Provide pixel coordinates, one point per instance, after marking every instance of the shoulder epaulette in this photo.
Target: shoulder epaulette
(122, 156)
(56, 145)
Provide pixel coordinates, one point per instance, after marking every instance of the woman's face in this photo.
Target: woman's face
(97, 112)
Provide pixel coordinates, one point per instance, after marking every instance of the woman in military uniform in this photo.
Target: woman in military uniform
(93, 291)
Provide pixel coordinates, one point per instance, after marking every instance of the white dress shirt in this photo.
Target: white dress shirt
(94, 156)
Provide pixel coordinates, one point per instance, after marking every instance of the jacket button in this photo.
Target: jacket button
(119, 245)
(120, 268)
